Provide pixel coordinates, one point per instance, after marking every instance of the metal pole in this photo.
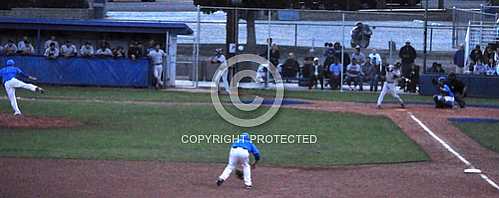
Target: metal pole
(342, 50)
(166, 62)
(425, 36)
(198, 41)
(269, 45)
(481, 24)
(431, 38)
(454, 30)
(296, 35)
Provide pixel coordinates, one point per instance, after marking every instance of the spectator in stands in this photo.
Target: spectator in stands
(22, 44)
(119, 52)
(437, 68)
(87, 50)
(26, 48)
(488, 56)
(480, 69)
(52, 52)
(459, 59)
(275, 55)
(335, 74)
(1, 50)
(51, 40)
(354, 74)
(134, 50)
(157, 57)
(341, 57)
(407, 54)
(68, 50)
(104, 51)
(413, 82)
(373, 74)
(290, 67)
(476, 57)
(359, 56)
(317, 74)
(375, 57)
(10, 48)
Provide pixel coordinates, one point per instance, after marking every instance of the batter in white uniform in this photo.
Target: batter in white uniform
(392, 75)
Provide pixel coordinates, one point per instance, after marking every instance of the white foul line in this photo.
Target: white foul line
(451, 150)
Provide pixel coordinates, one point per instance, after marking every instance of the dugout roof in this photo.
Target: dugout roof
(96, 25)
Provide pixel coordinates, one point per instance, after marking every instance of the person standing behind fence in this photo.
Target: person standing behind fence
(342, 57)
(407, 54)
(10, 48)
(459, 59)
(335, 74)
(68, 50)
(87, 50)
(157, 57)
(52, 52)
(476, 57)
(51, 40)
(26, 49)
(134, 50)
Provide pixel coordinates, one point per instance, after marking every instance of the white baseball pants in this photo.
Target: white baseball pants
(389, 88)
(10, 88)
(158, 71)
(238, 157)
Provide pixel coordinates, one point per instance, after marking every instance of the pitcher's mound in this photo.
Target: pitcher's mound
(33, 122)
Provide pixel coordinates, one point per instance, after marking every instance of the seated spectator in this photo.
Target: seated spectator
(68, 50)
(10, 48)
(52, 52)
(134, 50)
(22, 44)
(26, 48)
(335, 74)
(476, 57)
(479, 69)
(290, 67)
(437, 68)
(104, 51)
(87, 50)
(359, 56)
(354, 74)
(119, 52)
(51, 40)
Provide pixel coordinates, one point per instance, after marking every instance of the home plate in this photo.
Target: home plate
(472, 171)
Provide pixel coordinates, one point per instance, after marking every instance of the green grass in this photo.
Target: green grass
(152, 132)
(487, 134)
(122, 94)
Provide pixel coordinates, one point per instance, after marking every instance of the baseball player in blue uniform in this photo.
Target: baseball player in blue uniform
(11, 83)
(240, 156)
(445, 98)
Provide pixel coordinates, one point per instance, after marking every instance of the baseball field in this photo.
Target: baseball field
(113, 142)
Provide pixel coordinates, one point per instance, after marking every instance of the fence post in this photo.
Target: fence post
(481, 24)
(198, 41)
(296, 35)
(342, 49)
(454, 30)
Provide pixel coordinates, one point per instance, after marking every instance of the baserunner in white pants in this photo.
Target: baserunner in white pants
(157, 56)
(239, 156)
(391, 76)
(11, 83)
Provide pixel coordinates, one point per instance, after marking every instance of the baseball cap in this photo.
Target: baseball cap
(11, 62)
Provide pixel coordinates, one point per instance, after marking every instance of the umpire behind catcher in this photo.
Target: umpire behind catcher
(458, 88)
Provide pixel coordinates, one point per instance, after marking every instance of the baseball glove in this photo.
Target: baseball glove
(239, 174)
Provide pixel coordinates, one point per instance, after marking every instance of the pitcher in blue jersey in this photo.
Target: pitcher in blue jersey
(239, 156)
(10, 82)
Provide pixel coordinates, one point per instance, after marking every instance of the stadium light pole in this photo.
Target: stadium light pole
(425, 35)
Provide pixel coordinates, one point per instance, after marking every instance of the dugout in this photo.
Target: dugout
(94, 71)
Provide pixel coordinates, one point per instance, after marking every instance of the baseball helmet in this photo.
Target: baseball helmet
(442, 79)
(11, 62)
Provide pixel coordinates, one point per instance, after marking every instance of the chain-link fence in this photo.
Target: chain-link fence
(305, 34)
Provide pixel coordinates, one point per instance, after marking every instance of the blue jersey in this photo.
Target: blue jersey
(245, 142)
(447, 91)
(8, 73)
